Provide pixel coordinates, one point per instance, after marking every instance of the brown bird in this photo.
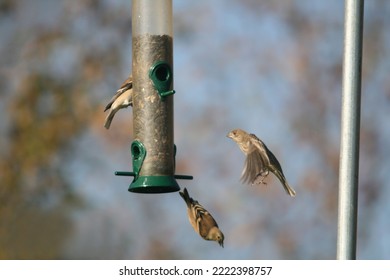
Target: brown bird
(259, 160)
(201, 220)
(122, 99)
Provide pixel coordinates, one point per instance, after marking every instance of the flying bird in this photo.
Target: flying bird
(259, 160)
(123, 98)
(201, 220)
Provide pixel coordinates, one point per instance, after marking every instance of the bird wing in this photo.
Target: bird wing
(192, 209)
(204, 220)
(254, 165)
(260, 147)
(268, 156)
(273, 160)
(256, 161)
(273, 164)
(200, 219)
(128, 84)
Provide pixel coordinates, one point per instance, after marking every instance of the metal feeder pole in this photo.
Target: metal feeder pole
(350, 130)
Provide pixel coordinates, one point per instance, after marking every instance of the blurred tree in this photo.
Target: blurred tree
(47, 108)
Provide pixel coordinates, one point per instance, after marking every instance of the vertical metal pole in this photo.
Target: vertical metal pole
(350, 129)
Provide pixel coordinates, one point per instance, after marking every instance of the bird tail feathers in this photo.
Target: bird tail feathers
(186, 196)
(108, 120)
(283, 180)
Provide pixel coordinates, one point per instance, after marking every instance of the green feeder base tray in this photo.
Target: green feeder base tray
(154, 184)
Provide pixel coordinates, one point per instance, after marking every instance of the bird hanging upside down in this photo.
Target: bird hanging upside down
(201, 220)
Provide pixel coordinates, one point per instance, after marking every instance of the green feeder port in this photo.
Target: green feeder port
(161, 75)
(150, 183)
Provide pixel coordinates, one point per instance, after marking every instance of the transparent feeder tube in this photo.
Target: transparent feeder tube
(152, 17)
(153, 111)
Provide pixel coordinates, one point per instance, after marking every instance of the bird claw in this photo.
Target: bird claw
(259, 179)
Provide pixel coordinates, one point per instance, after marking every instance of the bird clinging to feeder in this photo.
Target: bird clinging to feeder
(123, 98)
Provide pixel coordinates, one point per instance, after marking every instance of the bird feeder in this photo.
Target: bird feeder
(153, 151)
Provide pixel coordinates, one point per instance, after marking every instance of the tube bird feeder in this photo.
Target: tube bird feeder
(153, 150)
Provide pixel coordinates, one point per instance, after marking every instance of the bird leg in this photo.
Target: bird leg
(259, 179)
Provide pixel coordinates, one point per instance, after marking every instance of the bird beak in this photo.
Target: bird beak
(220, 243)
(229, 135)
